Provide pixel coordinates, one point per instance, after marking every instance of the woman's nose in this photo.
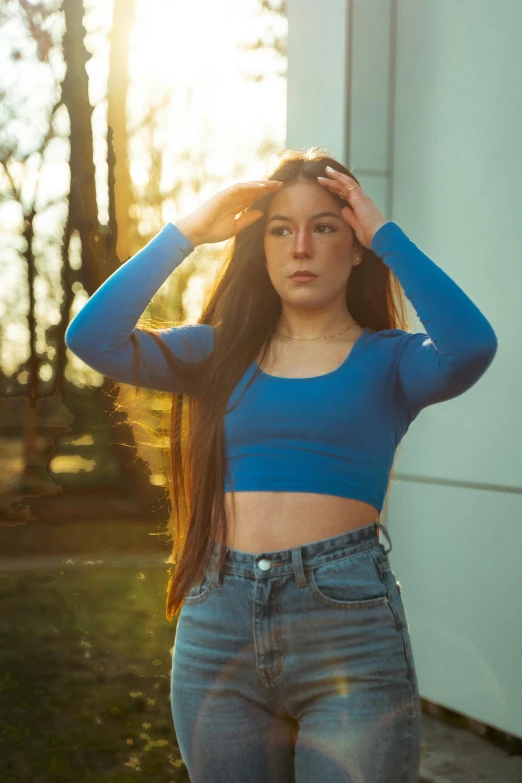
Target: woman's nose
(303, 244)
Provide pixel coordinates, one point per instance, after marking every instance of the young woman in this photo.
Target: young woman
(292, 658)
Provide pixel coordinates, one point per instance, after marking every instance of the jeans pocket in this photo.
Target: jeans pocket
(400, 606)
(396, 606)
(401, 621)
(348, 583)
(200, 591)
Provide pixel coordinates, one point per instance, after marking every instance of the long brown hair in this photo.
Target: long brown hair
(243, 308)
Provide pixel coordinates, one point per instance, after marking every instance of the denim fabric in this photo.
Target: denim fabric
(296, 666)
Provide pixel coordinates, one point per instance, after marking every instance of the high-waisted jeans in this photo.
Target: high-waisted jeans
(296, 666)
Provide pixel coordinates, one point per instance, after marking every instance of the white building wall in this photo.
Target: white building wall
(422, 100)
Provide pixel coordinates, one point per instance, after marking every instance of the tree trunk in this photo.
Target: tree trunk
(97, 265)
(99, 258)
(120, 183)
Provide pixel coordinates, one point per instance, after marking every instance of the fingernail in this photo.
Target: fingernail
(329, 168)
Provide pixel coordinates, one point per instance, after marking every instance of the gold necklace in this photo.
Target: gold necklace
(318, 338)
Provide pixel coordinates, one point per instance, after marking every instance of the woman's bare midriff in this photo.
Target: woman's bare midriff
(267, 521)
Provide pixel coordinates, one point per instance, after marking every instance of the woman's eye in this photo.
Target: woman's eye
(277, 231)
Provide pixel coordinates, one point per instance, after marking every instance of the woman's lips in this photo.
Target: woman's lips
(303, 278)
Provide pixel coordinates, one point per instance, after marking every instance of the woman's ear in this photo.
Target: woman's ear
(358, 255)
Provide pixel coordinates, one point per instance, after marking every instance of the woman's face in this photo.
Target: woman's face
(298, 237)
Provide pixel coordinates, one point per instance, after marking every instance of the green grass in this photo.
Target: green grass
(85, 659)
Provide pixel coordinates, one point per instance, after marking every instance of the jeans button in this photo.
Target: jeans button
(264, 565)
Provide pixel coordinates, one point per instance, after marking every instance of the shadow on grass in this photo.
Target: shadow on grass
(85, 659)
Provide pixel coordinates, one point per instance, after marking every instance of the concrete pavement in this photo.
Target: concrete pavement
(454, 755)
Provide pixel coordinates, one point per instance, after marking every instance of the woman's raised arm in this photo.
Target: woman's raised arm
(459, 344)
(100, 334)
(103, 332)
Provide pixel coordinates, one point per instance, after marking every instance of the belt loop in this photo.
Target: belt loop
(297, 562)
(384, 530)
(217, 576)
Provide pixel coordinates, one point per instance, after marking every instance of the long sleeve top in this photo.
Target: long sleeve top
(334, 433)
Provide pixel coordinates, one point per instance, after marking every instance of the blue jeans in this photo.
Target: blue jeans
(296, 666)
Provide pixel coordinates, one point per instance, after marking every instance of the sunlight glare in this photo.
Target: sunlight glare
(175, 42)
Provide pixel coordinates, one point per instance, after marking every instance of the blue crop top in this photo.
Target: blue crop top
(334, 434)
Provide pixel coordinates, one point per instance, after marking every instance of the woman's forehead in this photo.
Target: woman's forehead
(300, 198)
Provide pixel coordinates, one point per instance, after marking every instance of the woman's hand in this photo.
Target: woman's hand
(215, 220)
(361, 214)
